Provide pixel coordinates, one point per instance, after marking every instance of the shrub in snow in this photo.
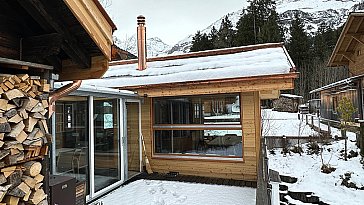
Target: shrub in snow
(346, 181)
(352, 154)
(346, 110)
(327, 168)
(296, 149)
(313, 148)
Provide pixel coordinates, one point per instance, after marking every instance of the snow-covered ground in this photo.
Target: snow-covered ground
(154, 192)
(307, 168)
(283, 123)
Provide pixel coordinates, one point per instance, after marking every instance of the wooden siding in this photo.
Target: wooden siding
(327, 103)
(133, 137)
(71, 71)
(239, 170)
(219, 87)
(357, 60)
(96, 25)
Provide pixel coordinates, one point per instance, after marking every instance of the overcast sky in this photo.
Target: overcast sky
(170, 20)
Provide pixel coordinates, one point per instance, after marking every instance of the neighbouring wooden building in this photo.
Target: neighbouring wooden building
(200, 112)
(42, 41)
(348, 52)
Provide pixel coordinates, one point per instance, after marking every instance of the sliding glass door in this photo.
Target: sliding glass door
(106, 154)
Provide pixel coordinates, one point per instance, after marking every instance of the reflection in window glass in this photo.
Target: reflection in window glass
(207, 109)
(72, 138)
(107, 168)
(208, 125)
(199, 142)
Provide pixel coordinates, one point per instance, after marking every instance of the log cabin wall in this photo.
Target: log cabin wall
(133, 137)
(242, 170)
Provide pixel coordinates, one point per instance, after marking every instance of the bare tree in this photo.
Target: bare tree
(106, 3)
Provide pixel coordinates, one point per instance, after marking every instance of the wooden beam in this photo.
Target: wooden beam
(347, 57)
(94, 23)
(42, 46)
(70, 71)
(214, 88)
(51, 22)
(269, 94)
(23, 64)
(357, 38)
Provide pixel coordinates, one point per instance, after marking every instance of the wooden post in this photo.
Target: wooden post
(306, 120)
(328, 128)
(361, 139)
(312, 124)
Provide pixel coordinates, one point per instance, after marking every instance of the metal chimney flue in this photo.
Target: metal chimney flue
(142, 57)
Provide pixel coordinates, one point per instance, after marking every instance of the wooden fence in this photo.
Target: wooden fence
(263, 194)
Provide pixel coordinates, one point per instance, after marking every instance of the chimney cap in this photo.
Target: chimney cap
(141, 19)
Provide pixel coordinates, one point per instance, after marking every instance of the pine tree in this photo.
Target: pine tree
(213, 36)
(271, 31)
(299, 43)
(225, 34)
(259, 24)
(299, 48)
(246, 32)
(201, 42)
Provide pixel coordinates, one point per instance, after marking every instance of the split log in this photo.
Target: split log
(3, 191)
(3, 104)
(10, 113)
(37, 196)
(21, 137)
(32, 168)
(11, 200)
(15, 119)
(22, 113)
(5, 127)
(30, 181)
(30, 123)
(29, 104)
(14, 93)
(16, 130)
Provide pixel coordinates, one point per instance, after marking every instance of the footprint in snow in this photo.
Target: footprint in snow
(175, 194)
(152, 191)
(182, 199)
(158, 201)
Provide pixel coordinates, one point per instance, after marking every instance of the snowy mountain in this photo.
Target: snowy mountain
(313, 12)
(155, 46)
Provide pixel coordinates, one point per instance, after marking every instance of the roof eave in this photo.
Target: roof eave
(290, 75)
(338, 46)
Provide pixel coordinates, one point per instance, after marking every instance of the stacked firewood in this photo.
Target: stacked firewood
(24, 137)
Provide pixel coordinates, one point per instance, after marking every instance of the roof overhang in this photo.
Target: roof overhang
(244, 84)
(340, 83)
(350, 37)
(72, 36)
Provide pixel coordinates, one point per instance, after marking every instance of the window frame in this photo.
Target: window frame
(203, 157)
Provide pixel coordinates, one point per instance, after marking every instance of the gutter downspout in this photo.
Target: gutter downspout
(61, 92)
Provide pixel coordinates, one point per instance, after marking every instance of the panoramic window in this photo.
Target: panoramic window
(207, 125)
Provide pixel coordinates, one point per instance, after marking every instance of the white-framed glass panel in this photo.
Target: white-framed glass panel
(107, 168)
(71, 138)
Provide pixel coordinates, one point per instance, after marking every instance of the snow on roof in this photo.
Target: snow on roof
(291, 96)
(97, 89)
(338, 83)
(258, 60)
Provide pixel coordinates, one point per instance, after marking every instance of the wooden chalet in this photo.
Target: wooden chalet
(40, 39)
(200, 112)
(348, 52)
